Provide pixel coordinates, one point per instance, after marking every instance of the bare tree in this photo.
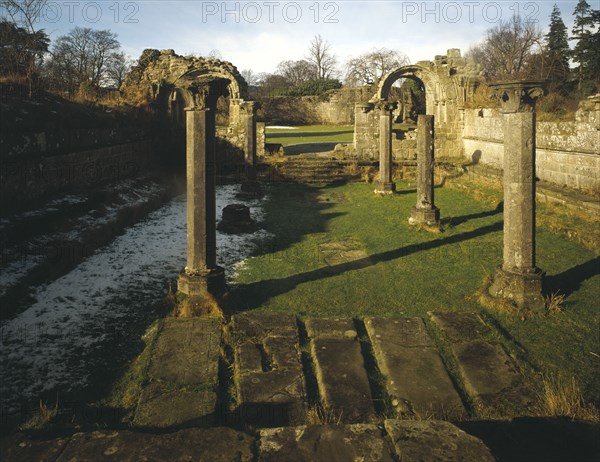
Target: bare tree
(509, 49)
(24, 14)
(250, 77)
(369, 68)
(320, 55)
(297, 72)
(117, 68)
(82, 56)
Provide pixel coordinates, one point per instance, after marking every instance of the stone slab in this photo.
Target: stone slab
(435, 441)
(335, 327)
(187, 351)
(315, 443)
(486, 368)
(415, 376)
(342, 378)
(248, 357)
(200, 445)
(460, 327)
(160, 407)
(283, 353)
(406, 332)
(272, 398)
(260, 325)
(19, 448)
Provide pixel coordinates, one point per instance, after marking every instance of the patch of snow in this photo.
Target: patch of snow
(81, 319)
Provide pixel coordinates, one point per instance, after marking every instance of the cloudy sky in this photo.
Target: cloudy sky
(258, 34)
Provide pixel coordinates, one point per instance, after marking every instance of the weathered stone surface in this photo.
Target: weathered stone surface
(248, 357)
(335, 327)
(259, 325)
(342, 378)
(163, 408)
(416, 378)
(486, 368)
(187, 351)
(269, 379)
(435, 441)
(460, 327)
(206, 445)
(271, 398)
(314, 443)
(19, 448)
(406, 332)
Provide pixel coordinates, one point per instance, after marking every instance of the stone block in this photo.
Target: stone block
(260, 325)
(342, 378)
(335, 327)
(435, 441)
(201, 445)
(415, 376)
(19, 448)
(187, 351)
(162, 407)
(460, 327)
(325, 443)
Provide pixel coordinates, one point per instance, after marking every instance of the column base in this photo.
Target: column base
(523, 288)
(385, 188)
(202, 284)
(250, 189)
(429, 217)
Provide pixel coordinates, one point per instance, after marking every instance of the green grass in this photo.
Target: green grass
(311, 134)
(408, 272)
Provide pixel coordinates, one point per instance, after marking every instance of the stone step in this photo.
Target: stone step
(415, 376)
(489, 374)
(183, 375)
(340, 369)
(409, 441)
(268, 374)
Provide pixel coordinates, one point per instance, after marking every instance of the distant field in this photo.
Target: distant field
(311, 134)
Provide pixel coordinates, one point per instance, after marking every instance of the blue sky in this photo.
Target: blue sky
(258, 34)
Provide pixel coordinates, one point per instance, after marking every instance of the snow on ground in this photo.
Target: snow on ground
(76, 327)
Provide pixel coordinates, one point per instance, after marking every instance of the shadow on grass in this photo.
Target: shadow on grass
(570, 281)
(530, 439)
(455, 221)
(251, 296)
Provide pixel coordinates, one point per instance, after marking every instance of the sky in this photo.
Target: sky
(258, 35)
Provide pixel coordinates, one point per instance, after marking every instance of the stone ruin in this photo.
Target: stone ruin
(193, 86)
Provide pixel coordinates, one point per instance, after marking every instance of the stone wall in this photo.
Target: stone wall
(25, 179)
(568, 153)
(333, 108)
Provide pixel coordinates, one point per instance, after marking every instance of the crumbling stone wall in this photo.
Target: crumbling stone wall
(568, 153)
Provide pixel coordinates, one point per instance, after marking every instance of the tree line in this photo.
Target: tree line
(82, 62)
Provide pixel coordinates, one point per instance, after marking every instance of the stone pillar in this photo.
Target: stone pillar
(385, 184)
(425, 212)
(248, 122)
(250, 187)
(201, 274)
(518, 278)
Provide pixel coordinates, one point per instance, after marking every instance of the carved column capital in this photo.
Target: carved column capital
(517, 96)
(385, 106)
(203, 97)
(249, 107)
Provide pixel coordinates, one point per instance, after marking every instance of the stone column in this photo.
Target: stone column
(385, 184)
(249, 187)
(425, 212)
(201, 274)
(518, 278)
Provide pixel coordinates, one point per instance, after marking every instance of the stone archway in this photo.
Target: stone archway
(197, 84)
(449, 81)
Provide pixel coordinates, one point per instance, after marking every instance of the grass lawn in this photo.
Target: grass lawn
(311, 134)
(343, 251)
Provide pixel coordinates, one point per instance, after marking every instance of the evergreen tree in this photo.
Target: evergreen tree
(582, 52)
(557, 51)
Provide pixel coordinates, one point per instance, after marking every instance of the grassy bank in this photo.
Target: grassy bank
(310, 134)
